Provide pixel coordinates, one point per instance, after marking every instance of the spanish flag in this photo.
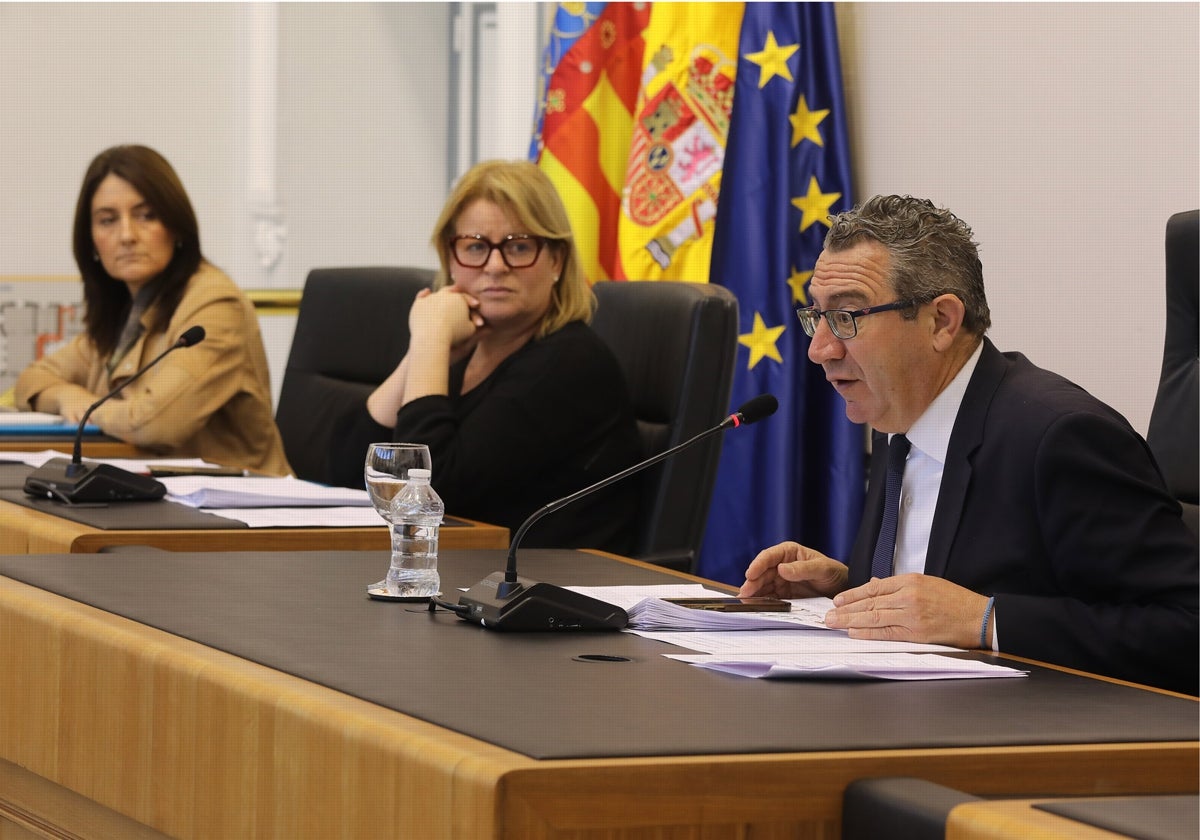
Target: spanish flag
(634, 122)
(707, 142)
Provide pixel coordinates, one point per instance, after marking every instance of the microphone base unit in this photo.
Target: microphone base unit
(72, 483)
(531, 606)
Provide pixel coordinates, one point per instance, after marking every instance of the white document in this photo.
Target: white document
(207, 491)
(647, 610)
(841, 666)
(303, 517)
(726, 643)
(626, 597)
(33, 418)
(134, 465)
(39, 422)
(657, 614)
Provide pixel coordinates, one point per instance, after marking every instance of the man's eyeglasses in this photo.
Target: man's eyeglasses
(843, 323)
(518, 250)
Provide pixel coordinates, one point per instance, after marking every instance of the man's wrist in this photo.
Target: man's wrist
(984, 627)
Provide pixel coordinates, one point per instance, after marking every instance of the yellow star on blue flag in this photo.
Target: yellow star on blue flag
(772, 60)
(761, 341)
(806, 124)
(814, 205)
(797, 475)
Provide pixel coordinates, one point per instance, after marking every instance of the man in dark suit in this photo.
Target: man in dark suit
(1025, 516)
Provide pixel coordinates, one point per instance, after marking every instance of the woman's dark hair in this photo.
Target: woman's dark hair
(107, 300)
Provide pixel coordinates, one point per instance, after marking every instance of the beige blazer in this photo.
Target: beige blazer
(211, 400)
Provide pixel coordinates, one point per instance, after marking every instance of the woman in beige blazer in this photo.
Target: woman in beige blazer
(145, 282)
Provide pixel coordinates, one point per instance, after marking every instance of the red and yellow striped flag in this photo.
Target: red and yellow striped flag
(634, 136)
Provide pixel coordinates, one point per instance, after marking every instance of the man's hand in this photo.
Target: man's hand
(911, 608)
(791, 570)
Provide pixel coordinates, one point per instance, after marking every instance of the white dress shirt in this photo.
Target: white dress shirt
(930, 438)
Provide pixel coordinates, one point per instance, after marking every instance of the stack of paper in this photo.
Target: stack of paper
(843, 666)
(790, 645)
(134, 465)
(40, 423)
(206, 491)
(31, 418)
(657, 614)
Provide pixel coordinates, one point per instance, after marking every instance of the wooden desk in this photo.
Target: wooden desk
(26, 531)
(1019, 819)
(108, 721)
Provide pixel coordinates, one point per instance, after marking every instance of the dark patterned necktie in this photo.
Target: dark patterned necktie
(885, 546)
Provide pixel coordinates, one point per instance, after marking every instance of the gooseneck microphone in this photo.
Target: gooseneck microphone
(506, 601)
(72, 481)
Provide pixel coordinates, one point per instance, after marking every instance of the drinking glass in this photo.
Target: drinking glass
(386, 473)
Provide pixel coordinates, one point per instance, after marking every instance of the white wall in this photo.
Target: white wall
(359, 159)
(355, 122)
(1064, 133)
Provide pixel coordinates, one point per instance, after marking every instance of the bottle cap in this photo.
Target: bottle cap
(418, 473)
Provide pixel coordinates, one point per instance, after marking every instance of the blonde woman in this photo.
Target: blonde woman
(519, 401)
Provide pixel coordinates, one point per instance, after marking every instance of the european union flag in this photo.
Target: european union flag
(797, 475)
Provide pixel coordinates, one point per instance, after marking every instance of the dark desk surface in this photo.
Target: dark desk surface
(159, 515)
(107, 720)
(1146, 817)
(307, 614)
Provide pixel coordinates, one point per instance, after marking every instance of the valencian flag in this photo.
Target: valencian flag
(707, 142)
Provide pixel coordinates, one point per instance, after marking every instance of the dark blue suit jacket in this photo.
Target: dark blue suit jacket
(1052, 503)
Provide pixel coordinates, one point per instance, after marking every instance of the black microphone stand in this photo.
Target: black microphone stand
(507, 601)
(74, 482)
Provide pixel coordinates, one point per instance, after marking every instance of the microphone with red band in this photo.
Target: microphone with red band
(506, 601)
(72, 481)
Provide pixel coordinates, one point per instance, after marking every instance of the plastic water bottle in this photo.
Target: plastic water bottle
(416, 515)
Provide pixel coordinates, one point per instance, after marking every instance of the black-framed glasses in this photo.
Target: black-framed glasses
(843, 323)
(518, 250)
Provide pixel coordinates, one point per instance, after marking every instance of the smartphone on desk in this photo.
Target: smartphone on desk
(733, 604)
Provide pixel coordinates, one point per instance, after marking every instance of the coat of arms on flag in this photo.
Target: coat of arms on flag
(678, 149)
(707, 142)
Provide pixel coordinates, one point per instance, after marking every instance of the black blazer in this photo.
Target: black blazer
(1052, 503)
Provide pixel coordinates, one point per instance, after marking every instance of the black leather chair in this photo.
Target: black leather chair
(351, 333)
(1174, 433)
(677, 343)
(906, 808)
(899, 808)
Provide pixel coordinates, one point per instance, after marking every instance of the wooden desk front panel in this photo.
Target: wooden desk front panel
(26, 531)
(109, 448)
(1016, 819)
(196, 743)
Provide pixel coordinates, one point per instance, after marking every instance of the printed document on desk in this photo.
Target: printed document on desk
(657, 614)
(734, 643)
(648, 611)
(303, 517)
(206, 491)
(40, 423)
(868, 666)
(134, 465)
(779, 648)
